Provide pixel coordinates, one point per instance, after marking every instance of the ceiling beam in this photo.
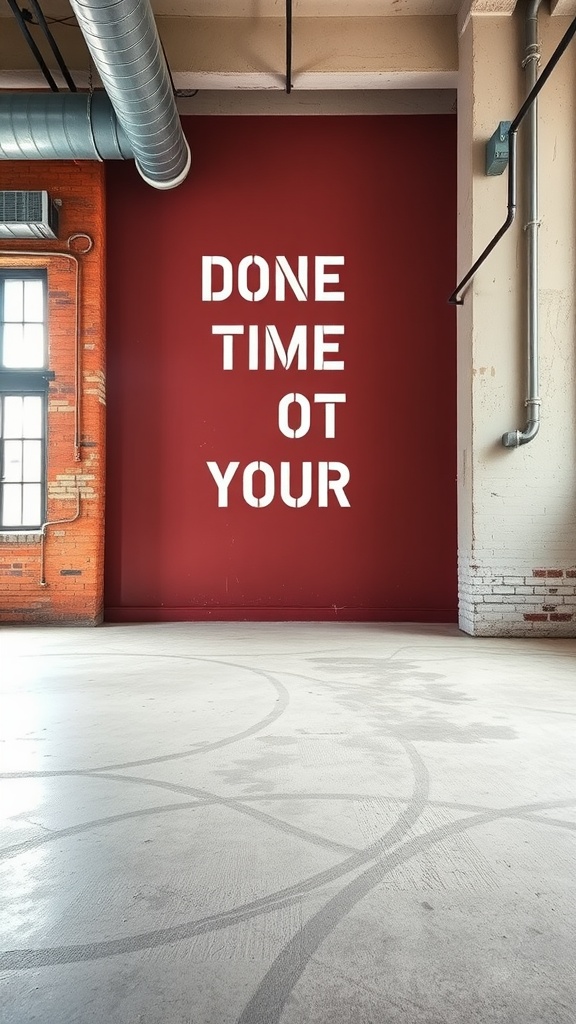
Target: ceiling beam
(225, 53)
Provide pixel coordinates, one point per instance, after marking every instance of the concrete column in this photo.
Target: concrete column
(517, 508)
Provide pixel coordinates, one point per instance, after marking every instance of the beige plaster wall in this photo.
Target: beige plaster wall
(517, 508)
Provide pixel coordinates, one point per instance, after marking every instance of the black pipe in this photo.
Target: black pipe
(288, 46)
(32, 45)
(512, 137)
(43, 24)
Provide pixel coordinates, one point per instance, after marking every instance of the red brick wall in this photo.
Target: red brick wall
(73, 552)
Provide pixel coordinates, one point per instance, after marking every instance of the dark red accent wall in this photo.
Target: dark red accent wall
(379, 191)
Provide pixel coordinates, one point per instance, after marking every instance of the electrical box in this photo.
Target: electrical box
(28, 215)
(497, 150)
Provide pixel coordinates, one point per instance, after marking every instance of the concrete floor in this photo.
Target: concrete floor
(252, 824)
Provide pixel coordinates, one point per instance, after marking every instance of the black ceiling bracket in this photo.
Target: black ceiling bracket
(43, 24)
(32, 44)
(288, 46)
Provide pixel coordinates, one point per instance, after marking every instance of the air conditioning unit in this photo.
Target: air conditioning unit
(28, 215)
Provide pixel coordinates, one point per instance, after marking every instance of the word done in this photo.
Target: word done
(259, 484)
(255, 280)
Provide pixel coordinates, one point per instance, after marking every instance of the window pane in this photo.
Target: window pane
(32, 500)
(32, 461)
(22, 452)
(34, 301)
(32, 417)
(13, 407)
(12, 505)
(33, 351)
(13, 300)
(12, 468)
(13, 335)
(24, 346)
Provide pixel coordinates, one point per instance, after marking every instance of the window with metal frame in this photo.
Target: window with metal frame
(24, 378)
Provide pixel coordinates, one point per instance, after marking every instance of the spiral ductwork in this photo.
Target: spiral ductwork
(60, 126)
(136, 117)
(125, 46)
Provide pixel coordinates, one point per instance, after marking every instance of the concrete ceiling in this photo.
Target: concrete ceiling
(240, 44)
(303, 8)
(273, 8)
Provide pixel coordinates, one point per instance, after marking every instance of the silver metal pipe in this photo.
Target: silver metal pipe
(73, 255)
(515, 438)
(60, 126)
(125, 46)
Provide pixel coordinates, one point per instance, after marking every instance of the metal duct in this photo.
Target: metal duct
(60, 126)
(125, 46)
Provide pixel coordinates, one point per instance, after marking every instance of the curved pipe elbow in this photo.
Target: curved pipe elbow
(515, 438)
(123, 41)
(171, 182)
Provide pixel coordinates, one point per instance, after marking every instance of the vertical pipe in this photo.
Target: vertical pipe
(74, 258)
(532, 60)
(288, 46)
(514, 438)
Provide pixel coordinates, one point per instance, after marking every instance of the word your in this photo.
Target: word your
(253, 278)
(267, 483)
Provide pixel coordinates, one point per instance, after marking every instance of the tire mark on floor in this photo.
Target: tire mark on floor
(269, 1000)
(283, 699)
(26, 959)
(282, 898)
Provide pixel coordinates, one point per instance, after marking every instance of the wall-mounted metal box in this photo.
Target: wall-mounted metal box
(497, 150)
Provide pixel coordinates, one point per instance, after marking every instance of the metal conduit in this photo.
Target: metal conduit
(514, 438)
(512, 139)
(60, 126)
(125, 46)
(73, 256)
